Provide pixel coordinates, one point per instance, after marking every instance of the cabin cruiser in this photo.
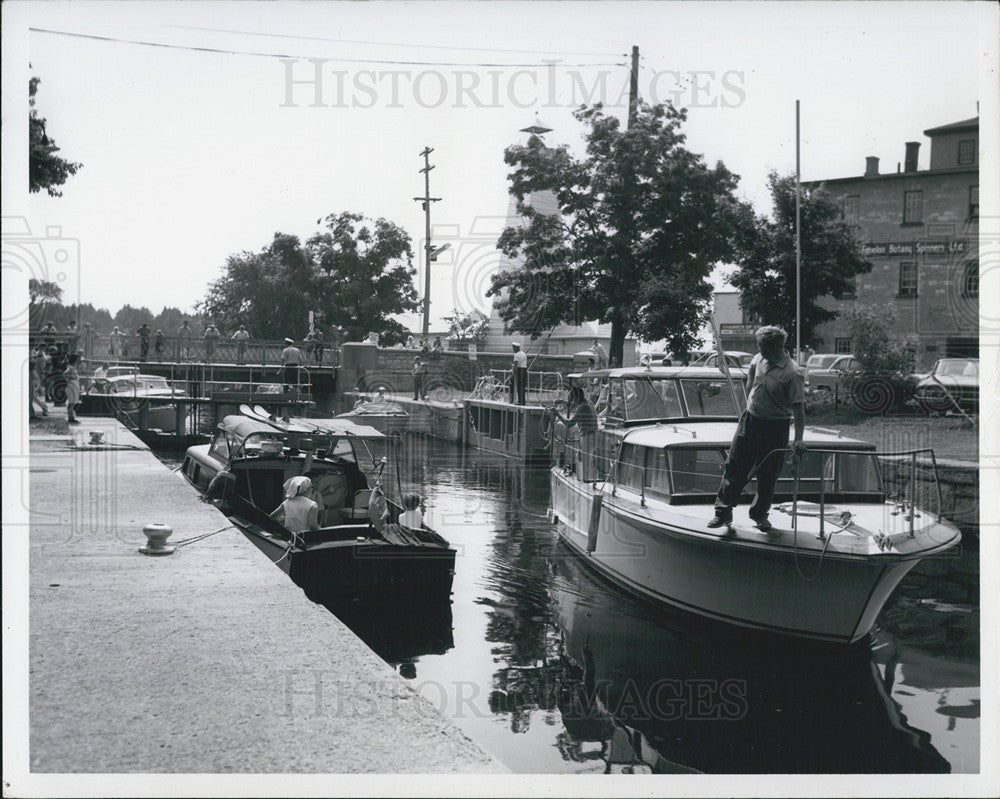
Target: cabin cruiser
(843, 534)
(493, 423)
(142, 401)
(359, 543)
(378, 411)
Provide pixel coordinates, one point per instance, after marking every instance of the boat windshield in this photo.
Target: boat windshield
(654, 397)
(368, 452)
(712, 397)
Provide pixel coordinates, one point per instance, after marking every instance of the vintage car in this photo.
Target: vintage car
(827, 375)
(952, 381)
(734, 358)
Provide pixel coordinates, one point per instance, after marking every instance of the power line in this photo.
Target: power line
(224, 51)
(395, 44)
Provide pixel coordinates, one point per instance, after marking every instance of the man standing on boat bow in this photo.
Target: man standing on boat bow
(776, 394)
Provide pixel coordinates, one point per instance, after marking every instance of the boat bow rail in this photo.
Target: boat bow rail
(832, 474)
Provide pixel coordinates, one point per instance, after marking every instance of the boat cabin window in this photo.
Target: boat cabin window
(711, 397)
(697, 471)
(841, 473)
(657, 474)
(220, 447)
(630, 466)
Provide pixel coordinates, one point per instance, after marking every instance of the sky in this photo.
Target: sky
(191, 155)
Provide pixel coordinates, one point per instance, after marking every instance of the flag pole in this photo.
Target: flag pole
(798, 245)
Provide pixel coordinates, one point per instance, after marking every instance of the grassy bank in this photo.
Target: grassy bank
(951, 437)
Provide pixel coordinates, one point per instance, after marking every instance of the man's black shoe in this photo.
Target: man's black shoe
(763, 524)
(720, 521)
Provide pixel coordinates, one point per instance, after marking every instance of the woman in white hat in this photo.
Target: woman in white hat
(298, 512)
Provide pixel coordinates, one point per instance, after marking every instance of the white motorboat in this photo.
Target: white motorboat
(146, 402)
(841, 540)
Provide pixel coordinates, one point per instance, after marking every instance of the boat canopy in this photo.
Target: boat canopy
(239, 428)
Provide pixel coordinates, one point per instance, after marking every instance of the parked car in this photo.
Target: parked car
(734, 358)
(826, 375)
(677, 359)
(956, 378)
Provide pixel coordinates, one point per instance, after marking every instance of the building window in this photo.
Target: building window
(973, 202)
(842, 346)
(913, 207)
(908, 279)
(852, 209)
(970, 280)
(967, 152)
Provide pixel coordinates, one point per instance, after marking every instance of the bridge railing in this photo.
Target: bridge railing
(195, 349)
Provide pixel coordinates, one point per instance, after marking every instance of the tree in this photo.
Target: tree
(356, 273)
(131, 319)
(43, 292)
(641, 222)
(884, 380)
(46, 170)
(44, 302)
(468, 327)
(365, 275)
(831, 258)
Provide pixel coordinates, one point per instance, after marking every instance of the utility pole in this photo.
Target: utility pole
(429, 253)
(633, 87)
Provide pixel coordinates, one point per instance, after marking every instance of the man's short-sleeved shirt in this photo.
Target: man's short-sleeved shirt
(776, 388)
(520, 359)
(290, 356)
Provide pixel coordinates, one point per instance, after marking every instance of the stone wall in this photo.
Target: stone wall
(959, 490)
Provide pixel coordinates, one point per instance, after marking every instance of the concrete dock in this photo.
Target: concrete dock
(208, 660)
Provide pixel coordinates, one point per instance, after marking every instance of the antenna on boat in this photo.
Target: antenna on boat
(798, 245)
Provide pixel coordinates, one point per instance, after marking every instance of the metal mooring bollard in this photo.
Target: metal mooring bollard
(156, 535)
(96, 437)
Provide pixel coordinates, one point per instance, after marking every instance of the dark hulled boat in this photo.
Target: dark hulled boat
(359, 544)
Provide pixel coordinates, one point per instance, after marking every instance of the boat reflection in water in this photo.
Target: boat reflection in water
(398, 629)
(706, 697)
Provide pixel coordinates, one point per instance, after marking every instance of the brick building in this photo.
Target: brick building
(920, 229)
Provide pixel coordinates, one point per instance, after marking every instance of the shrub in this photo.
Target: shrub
(884, 380)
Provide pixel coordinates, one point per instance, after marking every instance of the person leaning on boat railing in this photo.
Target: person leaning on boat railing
(776, 395)
(583, 416)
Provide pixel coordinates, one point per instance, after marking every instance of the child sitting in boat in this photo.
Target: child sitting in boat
(411, 516)
(298, 512)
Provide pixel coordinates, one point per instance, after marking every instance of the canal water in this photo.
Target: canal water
(555, 671)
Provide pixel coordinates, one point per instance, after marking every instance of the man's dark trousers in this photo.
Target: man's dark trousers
(754, 439)
(518, 385)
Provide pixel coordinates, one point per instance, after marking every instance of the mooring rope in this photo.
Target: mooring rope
(193, 539)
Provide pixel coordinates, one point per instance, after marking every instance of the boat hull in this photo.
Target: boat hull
(783, 589)
(329, 571)
(341, 561)
(515, 431)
